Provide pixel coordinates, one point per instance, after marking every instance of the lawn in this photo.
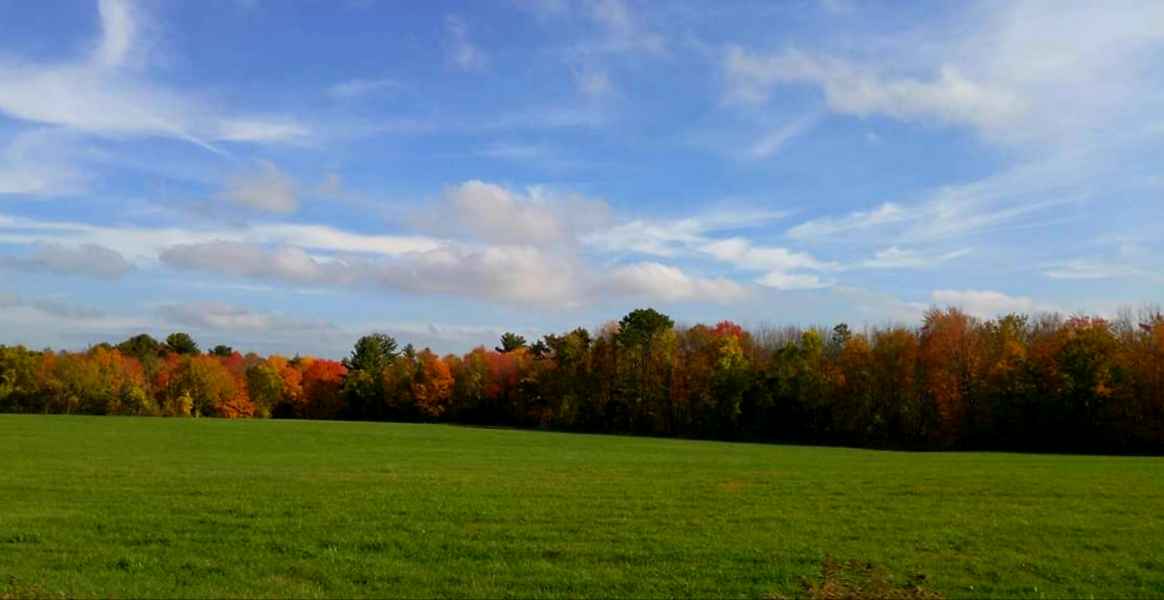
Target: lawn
(132, 507)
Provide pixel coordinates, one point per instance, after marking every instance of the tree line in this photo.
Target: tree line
(1017, 382)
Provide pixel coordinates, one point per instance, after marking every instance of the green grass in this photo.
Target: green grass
(128, 507)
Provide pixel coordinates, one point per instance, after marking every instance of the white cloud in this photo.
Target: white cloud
(671, 284)
(624, 28)
(948, 97)
(118, 25)
(241, 259)
(1084, 269)
(89, 260)
(692, 238)
(354, 88)
(99, 94)
(648, 237)
(830, 226)
(260, 129)
(774, 140)
(520, 274)
(509, 274)
(783, 280)
(323, 237)
(449, 336)
(877, 305)
(1029, 73)
(41, 162)
(495, 214)
(52, 308)
(673, 238)
(742, 253)
(462, 52)
(44, 321)
(220, 316)
(894, 257)
(1011, 198)
(268, 189)
(145, 244)
(985, 304)
(785, 268)
(492, 213)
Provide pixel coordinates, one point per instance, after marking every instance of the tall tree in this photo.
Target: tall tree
(640, 333)
(372, 352)
(180, 342)
(510, 341)
(141, 347)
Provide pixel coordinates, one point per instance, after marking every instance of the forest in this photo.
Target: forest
(1018, 382)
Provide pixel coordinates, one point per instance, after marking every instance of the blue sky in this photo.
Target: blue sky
(285, 176)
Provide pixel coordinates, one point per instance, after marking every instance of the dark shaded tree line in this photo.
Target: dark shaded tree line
(955, 382)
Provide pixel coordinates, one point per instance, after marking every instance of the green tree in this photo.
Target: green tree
(510, 341)
(641, 333)
(141, 346)
(180, 342)
(365, 386)
(372, 353)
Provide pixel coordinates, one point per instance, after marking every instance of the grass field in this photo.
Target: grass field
(127, 507)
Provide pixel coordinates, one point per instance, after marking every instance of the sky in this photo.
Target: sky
(286, 176)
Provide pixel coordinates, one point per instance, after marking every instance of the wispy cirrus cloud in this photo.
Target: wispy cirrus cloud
(895, 257)
(1028, 194)
(824, 227)
(1099, 269)
(104, 94)
(624, 28)
(463, 53)
(774, 140)
(143, 244)
(355, 88)
(42, 163)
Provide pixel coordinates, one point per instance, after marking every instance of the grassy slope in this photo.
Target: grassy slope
(104, 506)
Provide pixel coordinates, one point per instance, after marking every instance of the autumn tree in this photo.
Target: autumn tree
(433, 385)
(202, 386)
(856, 413)
(949, 362)
(323, 382)
(265, 387)
(20, 380)
(1087, 361)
